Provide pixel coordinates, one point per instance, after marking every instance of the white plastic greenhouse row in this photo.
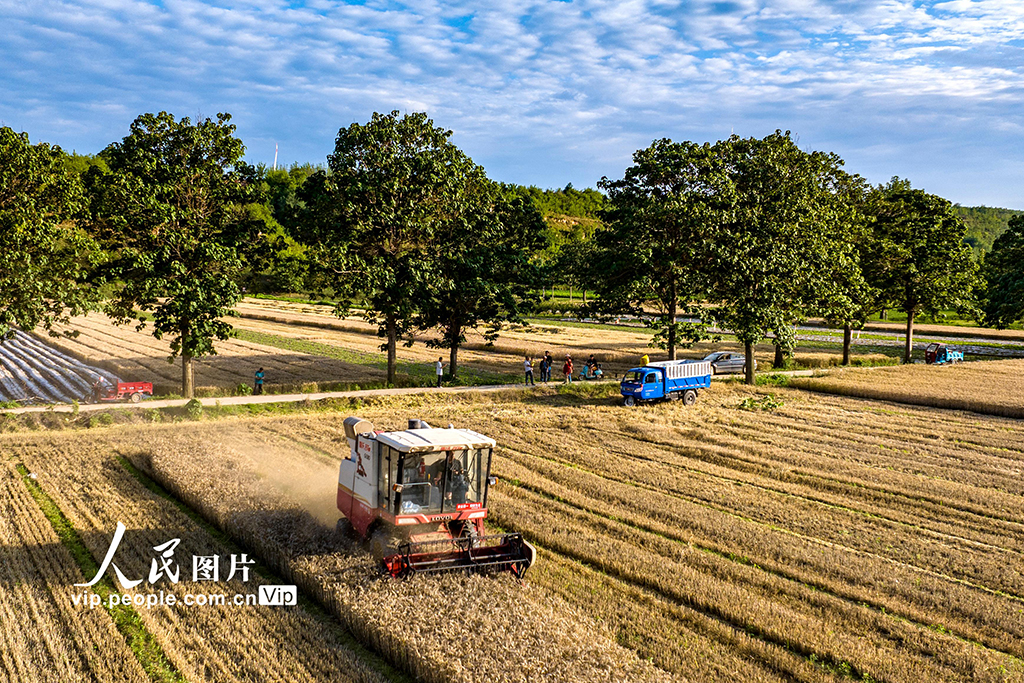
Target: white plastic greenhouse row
(31, 371)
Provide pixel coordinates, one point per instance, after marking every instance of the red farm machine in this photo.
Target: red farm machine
(122, 391)
(419, 498)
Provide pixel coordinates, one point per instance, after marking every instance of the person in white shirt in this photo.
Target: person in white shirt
(528, 368)
(439, 368)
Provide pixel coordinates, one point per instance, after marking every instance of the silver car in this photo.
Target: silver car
(723, 362)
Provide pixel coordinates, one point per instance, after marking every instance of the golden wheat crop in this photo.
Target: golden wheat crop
(873, 512)
(219, 643)
(43, 636)
(992, 387)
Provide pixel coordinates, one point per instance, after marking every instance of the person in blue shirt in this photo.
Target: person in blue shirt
(259, 382)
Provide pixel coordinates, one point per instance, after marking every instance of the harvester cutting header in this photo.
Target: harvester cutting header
(420, 497)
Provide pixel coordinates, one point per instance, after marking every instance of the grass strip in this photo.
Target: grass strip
(370, 658)
(142, 643)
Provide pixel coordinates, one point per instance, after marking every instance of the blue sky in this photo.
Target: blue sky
(545, 92)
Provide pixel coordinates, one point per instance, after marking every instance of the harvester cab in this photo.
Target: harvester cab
(419, 497)
(939, 354)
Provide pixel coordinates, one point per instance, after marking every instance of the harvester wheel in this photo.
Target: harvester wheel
(136, 397)
(629, 401)
(689, 397)
(380, 545)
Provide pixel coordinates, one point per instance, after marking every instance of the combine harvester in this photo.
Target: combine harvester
(419, 497)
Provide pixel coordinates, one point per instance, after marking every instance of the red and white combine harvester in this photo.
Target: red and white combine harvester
(419, 497)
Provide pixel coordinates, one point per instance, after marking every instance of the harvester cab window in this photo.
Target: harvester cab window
(443, 481)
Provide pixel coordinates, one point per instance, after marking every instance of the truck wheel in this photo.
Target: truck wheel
(689, 397)
(629, 401)
(136, 397)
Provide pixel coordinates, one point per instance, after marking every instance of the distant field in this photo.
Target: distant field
(993, 387)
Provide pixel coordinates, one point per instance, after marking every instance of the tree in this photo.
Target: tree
(179, 211)
(1003, 271)
(47, 256)
(919, 261)
(659, 238)
(484, 272)
(779, 252)
(369, 223)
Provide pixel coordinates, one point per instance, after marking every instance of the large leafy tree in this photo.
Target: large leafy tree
(919, 261)
(371, 220)
(46, 256)
(660, 235)
(179, 212)
(781, 249)
(484, 271)
(1003, 270)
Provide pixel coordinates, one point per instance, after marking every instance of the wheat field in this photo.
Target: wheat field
(827, 539)
(215, 643)
(992, 388)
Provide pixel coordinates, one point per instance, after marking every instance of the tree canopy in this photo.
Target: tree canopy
(781, 250)
(661, 229)
(180, 213)
(47, 256)
(919, 262)
(371, 221)
(1003, 272)
(483, 271)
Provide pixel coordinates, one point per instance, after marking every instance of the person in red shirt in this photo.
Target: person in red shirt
(567, 369)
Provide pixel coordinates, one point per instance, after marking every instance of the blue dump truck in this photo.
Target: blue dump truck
(669, 379)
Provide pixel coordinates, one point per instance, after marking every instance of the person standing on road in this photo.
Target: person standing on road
(567, 369)
(528, 368)
(545, 367)
(259, 383)
(439, 369)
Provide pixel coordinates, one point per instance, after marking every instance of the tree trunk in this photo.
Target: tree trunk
(392, 330)
(672, 331)
(748, 349)
(908, 353)
(455, 333)
(780, 356)
(847, 340)
(188, 380)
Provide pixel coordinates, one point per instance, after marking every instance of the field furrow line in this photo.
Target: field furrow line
(988, 620)
(814, 625)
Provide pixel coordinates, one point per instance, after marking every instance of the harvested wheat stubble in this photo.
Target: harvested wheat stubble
(43, 636)
(217, 643)
(617, 349)
(832, 539)
(138, 355)
(441, 628)
(992, 387)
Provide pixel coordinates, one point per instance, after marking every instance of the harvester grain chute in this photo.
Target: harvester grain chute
(419, 498)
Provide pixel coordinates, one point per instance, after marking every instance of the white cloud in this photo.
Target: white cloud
(571, 87)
